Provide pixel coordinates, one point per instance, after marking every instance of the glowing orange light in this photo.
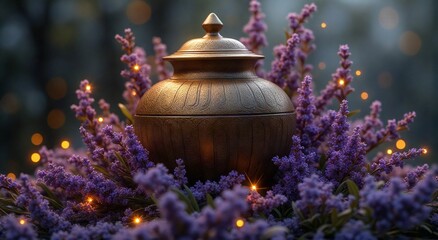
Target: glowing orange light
(36, 139)
(133, 93)
(90, 199)
(240, 222)
(321, 65)
(136, 67)
(11, 176)
(22, 221)
(364, 95)
(424, 150)
(65, 144)
(323, 25)
(400, 144)
(254, 187)
(100, 119)
(341, 82)
(137, 220)
(88, 88)
(389, 151)
(35, 157)
(358, 73)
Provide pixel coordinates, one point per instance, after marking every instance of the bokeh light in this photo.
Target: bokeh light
(9, 103)
(358, 73)
(65, 144)
(56, 88)
(364, 95)
(240, 223)
(11, 176)
(388, 18)
(410, 43)
(35, 157)
(138, 12)
(56, 119)
(400, 144)
(137, 220)
(385, 79)
(389, 151)
(322, 65)
(323, 25)
(36, 139)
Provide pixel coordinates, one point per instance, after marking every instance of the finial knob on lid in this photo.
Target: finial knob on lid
(212, 24)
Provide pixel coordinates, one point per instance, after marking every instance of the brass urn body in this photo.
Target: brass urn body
(214, 112)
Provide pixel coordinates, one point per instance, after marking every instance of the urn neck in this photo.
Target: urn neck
(214, 69)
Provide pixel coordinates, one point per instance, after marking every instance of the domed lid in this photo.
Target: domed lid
(212, 45)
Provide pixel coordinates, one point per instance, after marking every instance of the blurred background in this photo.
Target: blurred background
(48, 46)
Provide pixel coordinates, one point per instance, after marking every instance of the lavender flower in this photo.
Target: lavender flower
(127, 42)
(306, 46)
(305, 116)
(107, 116)
(340, 86)
(139, 160)
(10, 228)
(93, 184)
(38, 207)
(256, 28)
(393, 207)
(348, 162)
(214, 223)
(354, 229)
(155, 181)
(200, 189)
(100, 230)
(137, 74)
(280, 73)
(180, 173)
(413, 176)
(292, 169)
(267, 203)
(160, 52)
(383, 164)
(316, 197)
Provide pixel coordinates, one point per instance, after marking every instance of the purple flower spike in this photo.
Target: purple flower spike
(160, 52)
(38, 207)
(282, 66)
(256, 28)
(137, 73)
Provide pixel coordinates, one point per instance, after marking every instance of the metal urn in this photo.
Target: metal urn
(214, 112)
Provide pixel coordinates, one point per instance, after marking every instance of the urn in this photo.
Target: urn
(215, 113)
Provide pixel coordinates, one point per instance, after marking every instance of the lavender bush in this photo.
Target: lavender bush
(332, 185)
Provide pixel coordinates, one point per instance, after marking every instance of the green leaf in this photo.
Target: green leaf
(185, 199)
(277, 212)
(51, 197)
(424, 226)
(297, 211)
(210, 201)
(353, 112)
(122, 160)
(274, 231)
(310, 221)
(101, 170)
(192, 199)
(126, 112)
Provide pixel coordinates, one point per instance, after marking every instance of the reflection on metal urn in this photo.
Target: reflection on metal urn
(214, 112)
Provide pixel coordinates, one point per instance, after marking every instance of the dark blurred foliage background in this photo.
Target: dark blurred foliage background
(48, 46)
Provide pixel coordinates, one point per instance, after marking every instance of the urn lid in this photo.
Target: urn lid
(212, 45)
(213, 75)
